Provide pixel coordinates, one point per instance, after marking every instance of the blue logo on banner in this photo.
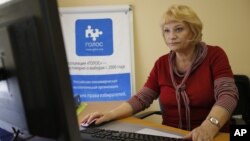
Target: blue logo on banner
(94, 37)
(102, 87)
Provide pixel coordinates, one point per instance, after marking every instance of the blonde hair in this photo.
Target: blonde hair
(183, 13)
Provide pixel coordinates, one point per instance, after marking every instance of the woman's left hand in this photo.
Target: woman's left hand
(205, 132)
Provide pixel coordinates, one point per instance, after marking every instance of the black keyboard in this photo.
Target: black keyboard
(97, 134)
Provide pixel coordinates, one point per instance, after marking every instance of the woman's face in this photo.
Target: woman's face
(178, 36)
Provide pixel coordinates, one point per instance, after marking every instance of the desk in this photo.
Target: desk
(219, 137)
(92, 107)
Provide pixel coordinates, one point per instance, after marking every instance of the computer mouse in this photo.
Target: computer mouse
(88, 124)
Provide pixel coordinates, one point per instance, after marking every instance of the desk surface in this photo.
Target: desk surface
(93, 107)
(219, 137)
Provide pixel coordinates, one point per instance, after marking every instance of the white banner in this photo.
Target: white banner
(99, 47)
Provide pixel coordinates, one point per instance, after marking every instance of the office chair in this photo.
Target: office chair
(241, 114)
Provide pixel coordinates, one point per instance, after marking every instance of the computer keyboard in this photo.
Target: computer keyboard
(97, 134)
(5, 136)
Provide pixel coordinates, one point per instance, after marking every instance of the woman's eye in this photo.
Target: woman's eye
(166, 30)
(179, 29)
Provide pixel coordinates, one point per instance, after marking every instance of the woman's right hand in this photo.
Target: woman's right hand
(123, 110)
(100, 117)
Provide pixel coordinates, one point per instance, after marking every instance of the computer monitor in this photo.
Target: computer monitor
(38, 99)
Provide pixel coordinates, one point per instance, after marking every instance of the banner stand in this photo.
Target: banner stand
(100, 51)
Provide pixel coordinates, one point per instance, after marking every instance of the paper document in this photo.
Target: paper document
(158, 133)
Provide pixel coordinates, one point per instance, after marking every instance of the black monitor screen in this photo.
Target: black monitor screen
(36, 97)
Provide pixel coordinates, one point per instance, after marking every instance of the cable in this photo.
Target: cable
(16, 134)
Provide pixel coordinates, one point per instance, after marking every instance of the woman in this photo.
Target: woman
(194, 81)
